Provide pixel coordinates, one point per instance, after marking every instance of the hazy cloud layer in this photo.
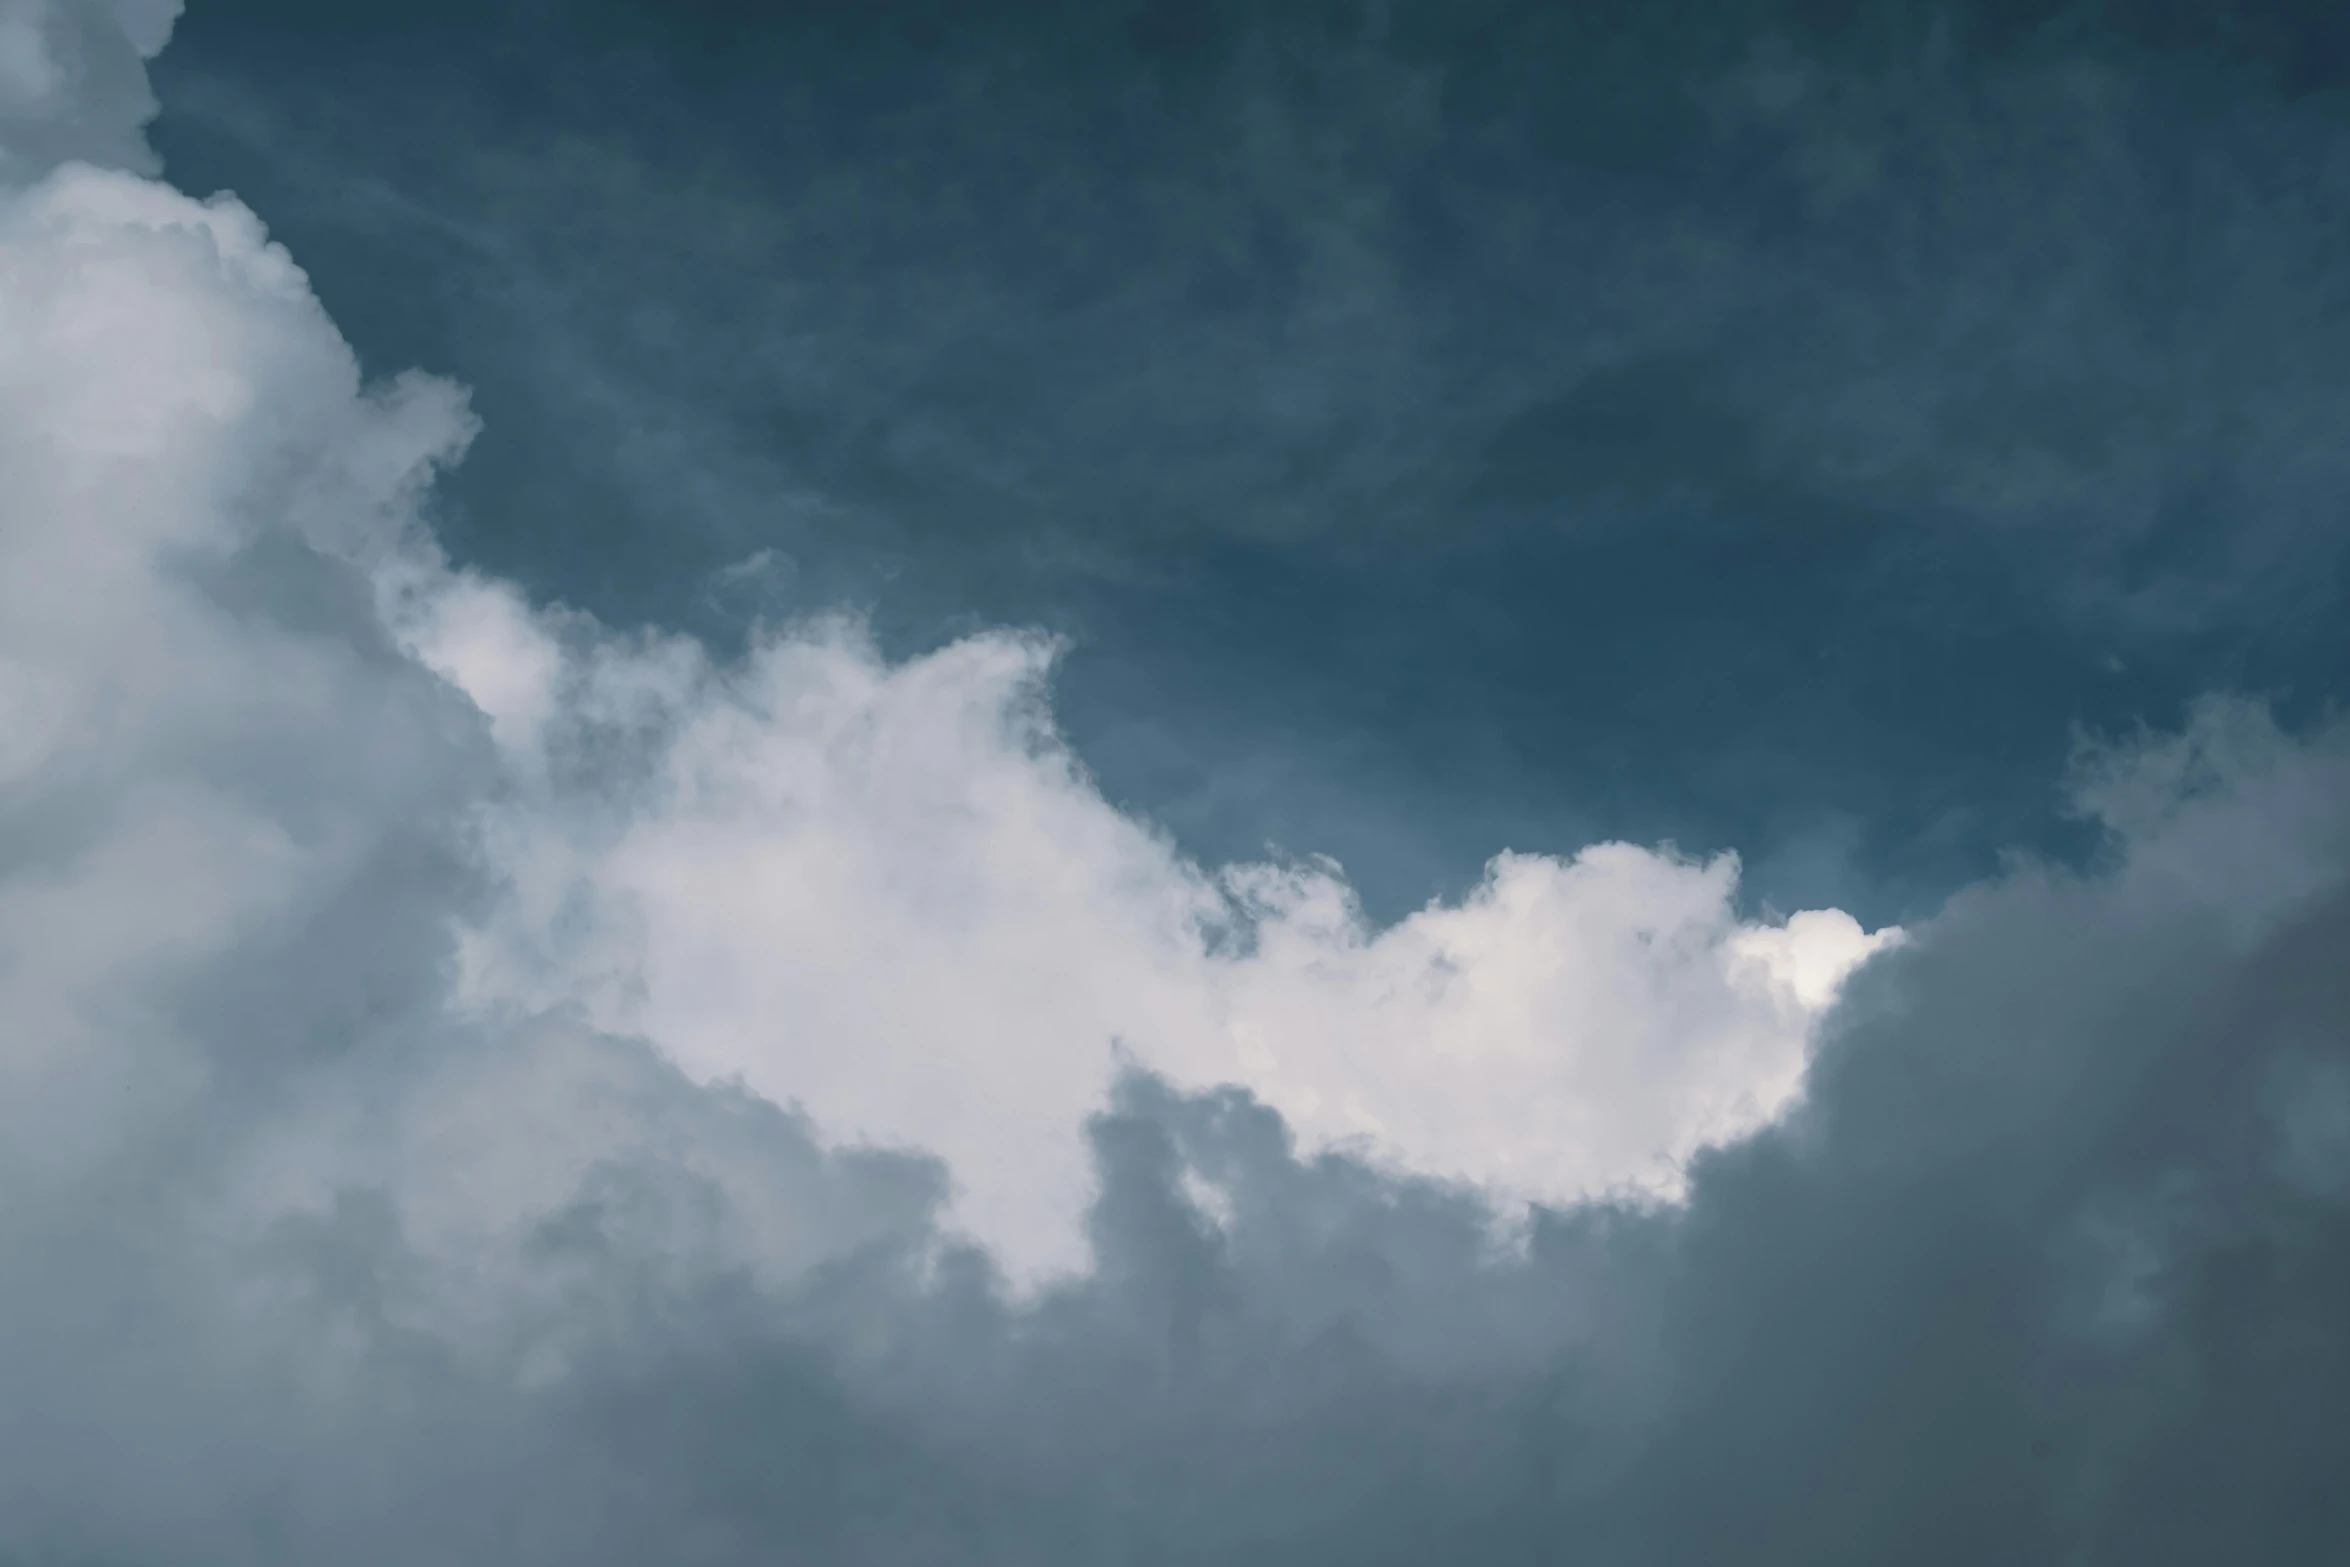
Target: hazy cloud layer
(346, 1213)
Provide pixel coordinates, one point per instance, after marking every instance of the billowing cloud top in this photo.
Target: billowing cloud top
(481, 1087)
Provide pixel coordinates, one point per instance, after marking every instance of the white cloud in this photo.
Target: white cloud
(888, 893)
(885, 893)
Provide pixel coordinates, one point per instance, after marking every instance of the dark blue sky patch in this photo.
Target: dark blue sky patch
(1435, 428)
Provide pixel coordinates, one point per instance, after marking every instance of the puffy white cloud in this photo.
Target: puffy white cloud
(891, 895)
(275, 772)
(888, 894)
(259, 1175)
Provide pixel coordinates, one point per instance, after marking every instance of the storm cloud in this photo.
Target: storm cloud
(484, 1086)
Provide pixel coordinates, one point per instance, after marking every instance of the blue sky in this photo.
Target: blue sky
(1433, 428)
(1158, 783)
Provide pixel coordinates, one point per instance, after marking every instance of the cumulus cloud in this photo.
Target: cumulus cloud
(380, 954)
(891, 895)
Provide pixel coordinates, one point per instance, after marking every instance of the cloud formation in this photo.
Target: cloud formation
(374, 942)
(890, 894)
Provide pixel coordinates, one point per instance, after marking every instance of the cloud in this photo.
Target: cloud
(890, 894)
(370, 939)
(73, 83)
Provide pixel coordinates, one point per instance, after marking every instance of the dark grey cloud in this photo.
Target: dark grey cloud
(2049, 1267)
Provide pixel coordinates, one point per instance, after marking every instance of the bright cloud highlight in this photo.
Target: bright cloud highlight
(889, 894)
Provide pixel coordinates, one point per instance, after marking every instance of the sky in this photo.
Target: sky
(1142, 783)
(1433, 427)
